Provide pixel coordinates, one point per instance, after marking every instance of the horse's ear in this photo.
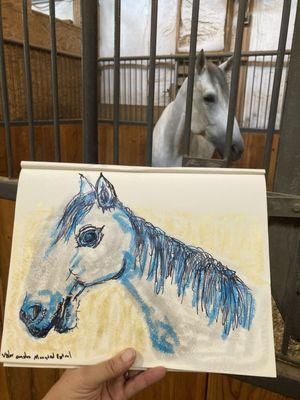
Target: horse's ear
(106, 194)
(226, 65)
(85, 185)
(200, 62)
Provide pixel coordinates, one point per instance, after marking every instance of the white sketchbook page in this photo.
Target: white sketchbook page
(221, 211)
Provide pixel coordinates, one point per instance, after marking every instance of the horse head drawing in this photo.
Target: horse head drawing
(209, 118)
(97, 239)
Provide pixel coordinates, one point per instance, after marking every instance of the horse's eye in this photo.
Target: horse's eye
(89, 236)
(209, 98)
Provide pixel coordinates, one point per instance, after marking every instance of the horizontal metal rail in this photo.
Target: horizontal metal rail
(186, 55)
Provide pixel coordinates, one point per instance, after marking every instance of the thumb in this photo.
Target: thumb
(96, 374)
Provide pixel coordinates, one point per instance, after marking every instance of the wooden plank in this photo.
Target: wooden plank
(177, 385)
(42, 381)
(223, 387)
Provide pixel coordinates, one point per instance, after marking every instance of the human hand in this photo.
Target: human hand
(105, 381)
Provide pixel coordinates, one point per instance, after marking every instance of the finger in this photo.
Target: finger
(143, 380)
(118, 365)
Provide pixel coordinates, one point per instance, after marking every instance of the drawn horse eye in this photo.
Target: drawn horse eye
(89, 236)
(209, 98)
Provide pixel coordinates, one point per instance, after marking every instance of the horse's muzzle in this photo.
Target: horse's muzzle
(236, 152)
(41, 316)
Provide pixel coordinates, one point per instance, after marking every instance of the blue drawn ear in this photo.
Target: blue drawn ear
(106, 194)
(85, 186)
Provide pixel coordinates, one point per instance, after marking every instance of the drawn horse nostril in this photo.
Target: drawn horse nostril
(34, 311)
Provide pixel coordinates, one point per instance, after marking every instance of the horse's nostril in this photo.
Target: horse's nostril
(34, 311)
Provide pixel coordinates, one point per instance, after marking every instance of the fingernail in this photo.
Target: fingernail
(128, 355)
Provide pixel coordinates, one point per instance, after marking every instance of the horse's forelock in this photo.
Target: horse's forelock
(217, 76)
(79, 206)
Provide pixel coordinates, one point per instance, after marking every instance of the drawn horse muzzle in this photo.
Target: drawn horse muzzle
(48, 310)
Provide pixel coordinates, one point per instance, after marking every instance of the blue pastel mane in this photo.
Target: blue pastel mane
(216, 290)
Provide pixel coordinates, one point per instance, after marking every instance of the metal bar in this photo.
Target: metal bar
(191, 73)
(89, 78)
(8, 188)
(186, 55)
(268, 90)
(260, 87)
(201, 162)
(38, 122)
(235, 78)
(5, 103)
(28, 80)
(141, 106)
(106, 113)
(54, 80)
(277, 81)
(151, 81)
(109, 95)
(165, 82)
(135, 97)
(116, 108)
(252, 90)
(130, 93)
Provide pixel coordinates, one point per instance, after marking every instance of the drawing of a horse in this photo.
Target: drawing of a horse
(98, 239)
(209, 119)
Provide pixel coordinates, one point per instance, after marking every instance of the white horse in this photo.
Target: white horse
(209, 119)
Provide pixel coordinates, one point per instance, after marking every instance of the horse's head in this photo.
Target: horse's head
(210, 106)
(87, 247)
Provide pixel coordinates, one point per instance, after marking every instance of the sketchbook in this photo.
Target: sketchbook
(171, 261)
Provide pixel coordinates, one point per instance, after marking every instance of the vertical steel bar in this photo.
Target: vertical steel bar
(158, 93)
(126, 112)
(190, 84)
(54, 81)
(116, 115)
(89, 19)
(165, 82)
(109, 95)
(268, 91)
(142, 88)
(135, 92)
(260, 87)
(243, 95)
(5, 103)
(153, 34)
(28, 80)
(130, 92)
(277, 81)
(235, 78)
(104, 91)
